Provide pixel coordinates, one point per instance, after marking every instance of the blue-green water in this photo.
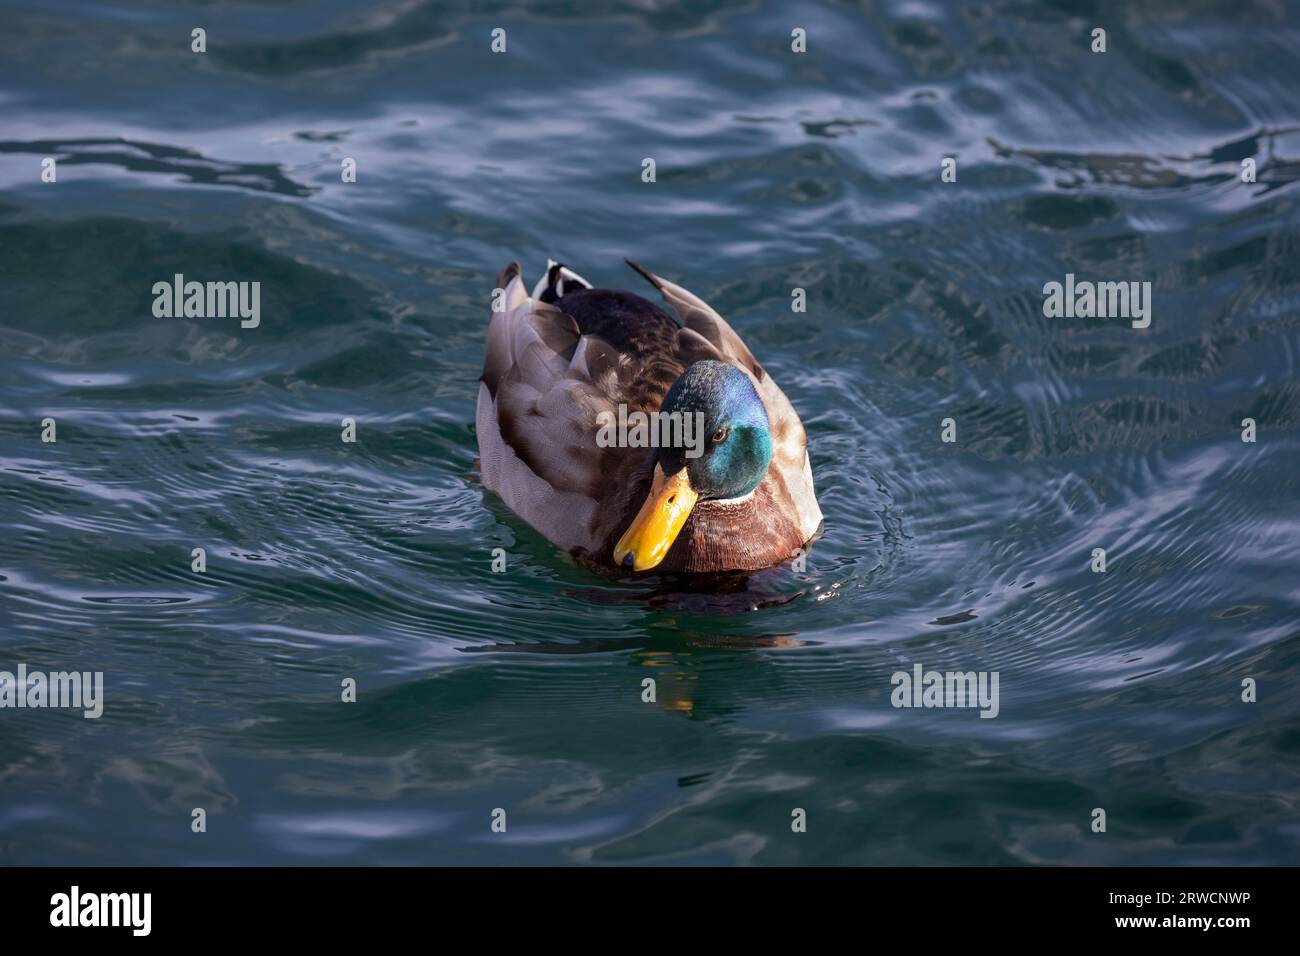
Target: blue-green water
(522, 691)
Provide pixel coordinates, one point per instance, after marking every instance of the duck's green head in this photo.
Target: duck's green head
(734, 445)
(724, 453)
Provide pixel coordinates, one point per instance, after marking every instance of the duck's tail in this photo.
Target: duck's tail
(557, 281)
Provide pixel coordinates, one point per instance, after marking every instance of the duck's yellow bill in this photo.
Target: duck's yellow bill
(657, 524)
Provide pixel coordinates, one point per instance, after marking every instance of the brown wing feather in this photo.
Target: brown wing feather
(699, 316)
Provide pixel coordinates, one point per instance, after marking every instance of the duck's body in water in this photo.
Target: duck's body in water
(736, 495)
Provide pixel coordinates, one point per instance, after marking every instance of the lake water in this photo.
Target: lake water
(522, 690)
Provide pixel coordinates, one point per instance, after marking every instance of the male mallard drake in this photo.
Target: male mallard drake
(734, 494)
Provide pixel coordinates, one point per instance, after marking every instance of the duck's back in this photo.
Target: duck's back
(636, 327)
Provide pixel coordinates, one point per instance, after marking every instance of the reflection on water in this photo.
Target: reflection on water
(527, 690)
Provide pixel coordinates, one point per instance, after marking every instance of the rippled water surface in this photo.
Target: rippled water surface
(522, 690)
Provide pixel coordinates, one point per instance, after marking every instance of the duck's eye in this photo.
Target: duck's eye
(720, 435)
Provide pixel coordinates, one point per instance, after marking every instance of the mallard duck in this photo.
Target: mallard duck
(728, 489)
